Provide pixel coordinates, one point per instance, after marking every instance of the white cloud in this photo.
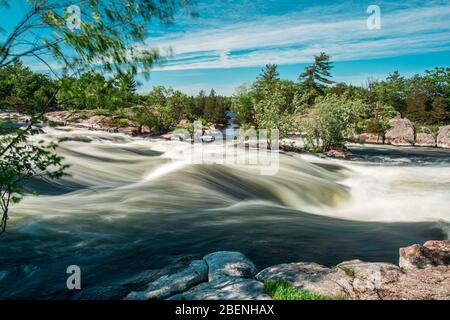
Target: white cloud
(294, 38)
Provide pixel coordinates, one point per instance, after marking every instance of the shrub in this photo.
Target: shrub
(332, 120)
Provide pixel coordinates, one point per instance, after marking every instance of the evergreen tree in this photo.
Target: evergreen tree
(317, 76)
(267, 79)
(210, 105)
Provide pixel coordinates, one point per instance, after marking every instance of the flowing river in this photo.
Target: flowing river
(131, 211)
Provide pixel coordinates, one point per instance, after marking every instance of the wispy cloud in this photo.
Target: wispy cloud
(296, 37)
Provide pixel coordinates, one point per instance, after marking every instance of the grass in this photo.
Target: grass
(350, 272)
(283, 290)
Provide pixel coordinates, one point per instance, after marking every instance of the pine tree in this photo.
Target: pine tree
(210, 106)
(267, 80)
(317, 76)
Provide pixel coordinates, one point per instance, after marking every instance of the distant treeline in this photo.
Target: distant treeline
(324, 110)
(26, 91)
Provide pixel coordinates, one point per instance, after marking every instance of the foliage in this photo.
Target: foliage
(316, 77)
(283, 290)
(378, 123)
(333, 119)
(20, 163)
(23, 90)
(271, 113)
(107, 40)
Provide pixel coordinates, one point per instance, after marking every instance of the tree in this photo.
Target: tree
(267, 80)
(242, 105)
(378, 123)
(393, 91)
(127, 87)
(334, 118)
(210, 106)
(107, 40)
(271, 114)
(317, 77)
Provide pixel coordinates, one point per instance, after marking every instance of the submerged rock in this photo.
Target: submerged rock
(226, 288)
(400, 133)
(431, 254)
(229, 264)
(167, 286)
(443, 138)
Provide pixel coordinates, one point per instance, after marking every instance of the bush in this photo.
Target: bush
(332, 120)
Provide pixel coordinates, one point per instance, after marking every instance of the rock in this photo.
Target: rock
(339, 153)
(226, 288)
(425, 138)
(127, 130)
(401, 132)
(443, 138)
(311, 277)
(369, 278)
(419, 284)
(167, 286)
(368, 138)
(292, 145)
(229, 264)
(94, 121)
(431, 254)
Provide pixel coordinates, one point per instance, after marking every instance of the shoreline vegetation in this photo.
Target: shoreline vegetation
(325, 115)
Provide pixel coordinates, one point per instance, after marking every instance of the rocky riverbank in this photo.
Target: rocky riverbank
(402, 133)
(423, 273)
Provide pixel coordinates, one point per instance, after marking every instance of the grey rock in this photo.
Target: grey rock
(400, 133)
(166, 286)
(225, 288)
(229, 264)
(311, 277)
(443, 138)
(369, 277)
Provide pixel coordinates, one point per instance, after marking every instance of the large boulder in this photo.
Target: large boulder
(443, 138)
(425, 138)
(166, 286)
(229, 264)
(311, 277)
(225, 288)
(431, 254)
(400, 133)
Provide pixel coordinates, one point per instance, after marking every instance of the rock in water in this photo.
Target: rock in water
(425, 138)
(400, 133)
(166, 286)
(431, 254)
(229, 264)
(443, 138)
(225, 288)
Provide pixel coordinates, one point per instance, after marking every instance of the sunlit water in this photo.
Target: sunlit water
(129, 213)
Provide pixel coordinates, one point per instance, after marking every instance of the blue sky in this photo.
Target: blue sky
(232, 40)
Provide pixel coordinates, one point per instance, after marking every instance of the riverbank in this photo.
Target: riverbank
(400, 134)
(423, 273)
